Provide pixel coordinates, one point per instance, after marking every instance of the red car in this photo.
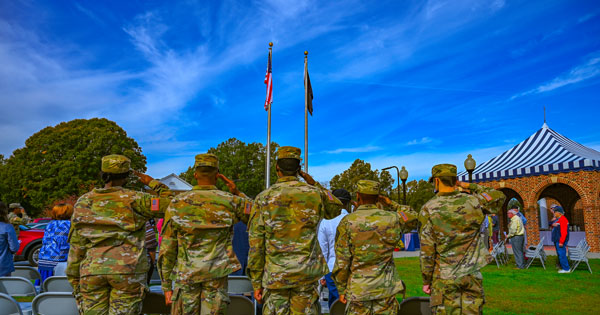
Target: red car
(31, 242)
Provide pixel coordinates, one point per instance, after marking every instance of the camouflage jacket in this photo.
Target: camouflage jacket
(15, 220)
(284, 250)
(108, 230)
(451, 242)
(197, 235)
(364, 248)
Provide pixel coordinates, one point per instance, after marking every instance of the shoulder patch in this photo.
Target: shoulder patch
(155, 204)
(247, 207)
(403, 215)
(486, 196)
(329, 195)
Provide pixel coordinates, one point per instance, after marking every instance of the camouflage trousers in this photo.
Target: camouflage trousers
(293, 301)
(208, 297)
(460, 296)
(112, 294)
(386, 306)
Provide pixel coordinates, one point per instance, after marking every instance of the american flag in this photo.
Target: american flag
(269, 83)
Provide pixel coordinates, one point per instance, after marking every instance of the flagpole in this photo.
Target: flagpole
(305, 112)
(268, 162)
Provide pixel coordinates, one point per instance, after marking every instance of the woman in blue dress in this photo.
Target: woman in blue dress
(55, 244)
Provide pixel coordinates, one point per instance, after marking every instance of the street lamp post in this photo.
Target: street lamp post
(402, 176)
(470, 166)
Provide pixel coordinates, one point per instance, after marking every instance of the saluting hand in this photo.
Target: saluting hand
(230, 184)
(145, 179)
(384, 200)
(309, 180)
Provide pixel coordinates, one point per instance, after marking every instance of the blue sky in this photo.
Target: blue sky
(410, 83)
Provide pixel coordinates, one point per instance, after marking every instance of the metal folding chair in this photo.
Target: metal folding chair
(8, 305)
(17, 286)
(577, 257)
(537, 252)
(55, 303)
(240, 305)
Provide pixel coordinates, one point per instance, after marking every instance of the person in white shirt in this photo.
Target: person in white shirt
(326, 236)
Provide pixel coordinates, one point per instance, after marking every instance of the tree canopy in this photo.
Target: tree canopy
(361, 170)
(241, 162)
(62, 161)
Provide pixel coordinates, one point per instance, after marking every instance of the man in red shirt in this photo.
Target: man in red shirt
(560, 237)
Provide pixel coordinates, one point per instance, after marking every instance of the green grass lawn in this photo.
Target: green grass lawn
(530, 291)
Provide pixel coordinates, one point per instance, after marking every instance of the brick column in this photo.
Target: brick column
(533, 231)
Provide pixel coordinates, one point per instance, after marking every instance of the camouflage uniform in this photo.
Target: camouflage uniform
(107, 262)
(364, 268)
(197, 252)
(16, 220)
(452, 248)
(285, 258)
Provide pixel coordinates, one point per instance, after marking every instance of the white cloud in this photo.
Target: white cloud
(354, 150)
(588, 70)
(423, 140)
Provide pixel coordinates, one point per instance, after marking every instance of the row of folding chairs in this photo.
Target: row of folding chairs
(19, 286)
(578, 254)
(500, 254)
(49, 303)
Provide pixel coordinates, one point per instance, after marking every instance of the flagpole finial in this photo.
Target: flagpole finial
(271, 44)
(306, 52)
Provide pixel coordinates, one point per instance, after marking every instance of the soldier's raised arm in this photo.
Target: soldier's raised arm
(149, 205)
(331, 205)
(242, 204)
(343, 257)
(491, 199)
(408, 216)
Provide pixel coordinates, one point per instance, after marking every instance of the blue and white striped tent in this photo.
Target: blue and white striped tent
(545, 152)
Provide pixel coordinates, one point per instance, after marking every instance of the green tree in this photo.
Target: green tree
(64, 160)
(361, 170)
(418, 193)
(241, 162)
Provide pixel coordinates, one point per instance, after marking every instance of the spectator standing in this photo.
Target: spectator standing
(560, 237)
(151, 244)
(326, 236)
(17, 216)
(9, 243)
(524, 221)
(55, 244)
(495, 228)
(515, 235)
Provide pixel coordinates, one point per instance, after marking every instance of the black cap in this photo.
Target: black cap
(342, 194)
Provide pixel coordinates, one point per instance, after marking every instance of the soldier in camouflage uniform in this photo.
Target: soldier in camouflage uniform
(364, 272)
(17, 216)
(196, 251)
(107, 263)
(452, 248)
(285, 261)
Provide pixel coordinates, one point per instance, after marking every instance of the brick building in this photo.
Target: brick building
(550, 167)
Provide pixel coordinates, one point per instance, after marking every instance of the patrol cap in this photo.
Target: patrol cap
(116, 164)
(368, 187)
(289, 153)
(15, 205)
(206, 159)
(342, 194)
(559, 209)
(443, 170)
